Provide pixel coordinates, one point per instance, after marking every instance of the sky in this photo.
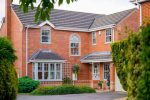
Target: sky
(91, 6)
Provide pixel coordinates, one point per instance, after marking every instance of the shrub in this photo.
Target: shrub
(27, 85)
(132, 60)
(67, 80)
(86, 89)
(8, 75)
(61, 90)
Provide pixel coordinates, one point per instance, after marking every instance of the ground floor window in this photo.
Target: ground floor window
(47, 71)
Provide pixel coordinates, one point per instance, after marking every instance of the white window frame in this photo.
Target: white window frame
(49, 37)
(109, 35)
(93, 35)
(79, 50)
(36, 72)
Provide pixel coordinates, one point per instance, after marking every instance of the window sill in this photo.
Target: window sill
(46, 43)
(75, 55)
(93, 44)
(108, 42)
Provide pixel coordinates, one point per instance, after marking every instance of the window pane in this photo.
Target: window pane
(39, 70)
(58, 69)
(93, 37)
(109, 35)
(45, 71)
(74, 45)
(45, 35)
(52, 71)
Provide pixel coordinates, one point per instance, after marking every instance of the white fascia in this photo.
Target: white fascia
(102, 27)
(46, 22)
(48, 61)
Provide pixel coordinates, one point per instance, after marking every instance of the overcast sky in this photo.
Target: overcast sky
(91, 6)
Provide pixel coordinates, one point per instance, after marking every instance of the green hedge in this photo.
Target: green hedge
(27, 85)
(8, 75)
(61, 90)
(132, 61)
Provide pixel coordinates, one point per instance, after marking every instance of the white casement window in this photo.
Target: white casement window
(47, 71)
(94, 38)
(45, 36)
(75, 45)
(109, 35)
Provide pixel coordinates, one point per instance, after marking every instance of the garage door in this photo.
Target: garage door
(118, 86)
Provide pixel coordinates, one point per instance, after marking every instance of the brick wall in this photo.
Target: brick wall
(146, 11)
(60, 45)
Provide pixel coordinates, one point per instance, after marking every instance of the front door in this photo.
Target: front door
(107, 74)
(95, 71)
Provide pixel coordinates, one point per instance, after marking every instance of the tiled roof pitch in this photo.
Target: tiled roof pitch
(45, 55)
(111, 19)
(73, 19)
(61, 18)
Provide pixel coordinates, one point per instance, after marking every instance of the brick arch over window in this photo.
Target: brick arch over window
(75, 43)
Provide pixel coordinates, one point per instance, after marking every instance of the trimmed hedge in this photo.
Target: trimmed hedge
(61, 90)
(27, 85)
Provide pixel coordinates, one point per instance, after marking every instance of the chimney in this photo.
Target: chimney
(8, 17)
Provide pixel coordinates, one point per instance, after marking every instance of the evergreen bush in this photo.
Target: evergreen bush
(27, 85)
(8, 75)
(132, 61)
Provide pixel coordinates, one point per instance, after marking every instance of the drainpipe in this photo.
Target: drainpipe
(140, 14)
(140, 8)
(27, 50)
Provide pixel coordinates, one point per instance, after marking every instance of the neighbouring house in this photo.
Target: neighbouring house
(48, 50)
(144, 10)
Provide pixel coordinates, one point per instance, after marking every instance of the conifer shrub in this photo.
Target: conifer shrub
(8, 75)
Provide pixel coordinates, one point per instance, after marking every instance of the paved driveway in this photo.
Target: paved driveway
(95, 96)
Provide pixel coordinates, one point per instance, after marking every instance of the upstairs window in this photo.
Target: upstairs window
(108, 35)
(93, 38)
(45, 36)
(74, 45)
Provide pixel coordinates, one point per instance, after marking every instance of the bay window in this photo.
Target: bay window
(47, 71)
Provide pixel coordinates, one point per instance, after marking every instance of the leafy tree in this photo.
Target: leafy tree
(43, 9)
(8, 76)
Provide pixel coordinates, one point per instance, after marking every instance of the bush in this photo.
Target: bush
(61, 90)
(27, 85)
(85, 89)
(8, 75)
(67, 80)
(132, 61)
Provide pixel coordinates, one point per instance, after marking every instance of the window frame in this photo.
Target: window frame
(93, 38)
(49, 71)
(109, 35)
(49, 36)
(79, 43)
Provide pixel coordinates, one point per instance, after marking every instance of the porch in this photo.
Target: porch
(102, 69)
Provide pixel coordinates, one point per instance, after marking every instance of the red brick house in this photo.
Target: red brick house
(47, 50)
(144, 10)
